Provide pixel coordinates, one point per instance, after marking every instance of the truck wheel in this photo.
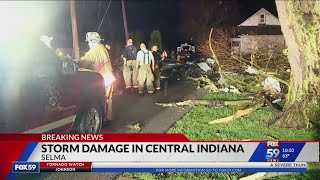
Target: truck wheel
(91, 119)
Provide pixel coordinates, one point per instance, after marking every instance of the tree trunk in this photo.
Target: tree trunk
(300, 24)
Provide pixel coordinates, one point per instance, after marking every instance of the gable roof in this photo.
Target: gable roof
(262, 10)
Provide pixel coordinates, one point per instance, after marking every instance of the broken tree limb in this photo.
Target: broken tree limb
(260, 176)
(212, 103)
(238, 114)
(214, 56)
(271, 175)
(254, 176)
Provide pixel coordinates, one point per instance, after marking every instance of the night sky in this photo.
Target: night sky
(142, 15)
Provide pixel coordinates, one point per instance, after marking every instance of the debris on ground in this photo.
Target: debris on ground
(251, 70)
(229, 89)
(222, 81)
(135, 127)
(205, 83)
(262, 175)
(208, 103)
(271, 137)
(271, 85)
(238, 114)
(211, 61)
(254, 176)
(204, 66)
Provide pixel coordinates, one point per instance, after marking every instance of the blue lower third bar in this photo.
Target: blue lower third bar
(197, 170)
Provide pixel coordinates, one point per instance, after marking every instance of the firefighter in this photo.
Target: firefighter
(146, 65)
(130, 72)
(97, 59)
(157, 74)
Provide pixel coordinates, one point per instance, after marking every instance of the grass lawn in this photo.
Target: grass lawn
(194, 125)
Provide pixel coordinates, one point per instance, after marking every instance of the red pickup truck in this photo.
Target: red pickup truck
(41, 93)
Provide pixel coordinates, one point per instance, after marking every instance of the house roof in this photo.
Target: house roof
(262, 10)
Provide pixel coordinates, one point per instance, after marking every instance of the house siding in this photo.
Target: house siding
(262, 42)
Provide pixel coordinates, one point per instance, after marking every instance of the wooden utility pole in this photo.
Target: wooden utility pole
(124, 20)
(74, 31)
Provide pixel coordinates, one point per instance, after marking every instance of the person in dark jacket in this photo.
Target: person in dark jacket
(130, 70)
(156, 72)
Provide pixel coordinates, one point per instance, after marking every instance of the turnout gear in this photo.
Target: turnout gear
(130, 74)
(145, 76)
(130, 71)
(97, 59)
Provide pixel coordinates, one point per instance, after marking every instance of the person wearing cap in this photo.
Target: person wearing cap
(146, 66)
(130, 72)
(157, 59)
(97, 59)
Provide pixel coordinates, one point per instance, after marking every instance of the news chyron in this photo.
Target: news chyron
(152, 153)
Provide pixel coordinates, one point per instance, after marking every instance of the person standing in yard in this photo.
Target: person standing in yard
(146, 65)
(156, 72)
(130, 72)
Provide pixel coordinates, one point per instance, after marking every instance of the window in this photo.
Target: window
(262, 19)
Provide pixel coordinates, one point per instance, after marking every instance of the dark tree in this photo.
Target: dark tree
(197, 17)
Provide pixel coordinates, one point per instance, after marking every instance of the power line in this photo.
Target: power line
(104, 15)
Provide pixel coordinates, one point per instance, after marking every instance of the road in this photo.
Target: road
(130, 109)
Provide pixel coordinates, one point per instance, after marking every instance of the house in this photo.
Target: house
(261, 30)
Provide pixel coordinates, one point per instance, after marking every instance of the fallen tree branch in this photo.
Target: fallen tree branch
(214, 56)
(135, 127)
(254, 176)
(212, 103)
(238, 114)
(270, 175)
(271, 137)
(262, 175)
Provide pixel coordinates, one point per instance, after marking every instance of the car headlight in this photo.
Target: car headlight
(108, 79)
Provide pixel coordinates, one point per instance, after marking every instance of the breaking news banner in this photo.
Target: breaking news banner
(149, 153)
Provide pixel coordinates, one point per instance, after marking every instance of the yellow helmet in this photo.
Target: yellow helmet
(93, 37)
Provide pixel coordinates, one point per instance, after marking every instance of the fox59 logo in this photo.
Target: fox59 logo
(25, 167)
(273, 151)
